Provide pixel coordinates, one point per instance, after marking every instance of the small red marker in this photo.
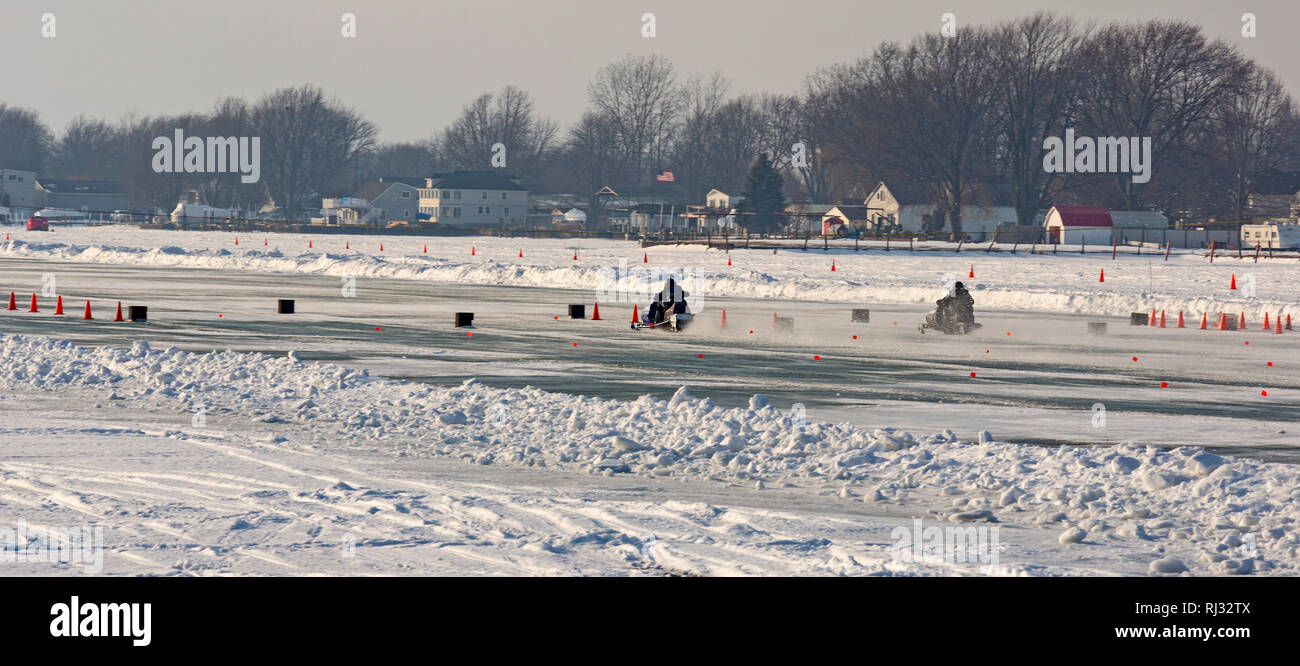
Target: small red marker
(557, 317)
(1270, 364)
(895, 323)
(816, 358)
(575, 344)
(1135, 359)
(469, 334)
(855, 337)
(376, 328)
(1248, 342)
(751, 332)
(972, 374)
(221, 315)
(1008, 332)
(986, 351)
(699, 356)
(1263, 393)
(1164, 384)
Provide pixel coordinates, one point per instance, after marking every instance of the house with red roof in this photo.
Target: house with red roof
(1070, 225)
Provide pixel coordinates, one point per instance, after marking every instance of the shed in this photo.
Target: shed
(1078, 224)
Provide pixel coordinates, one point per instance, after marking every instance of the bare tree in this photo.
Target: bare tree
(592, 159)
(640, 97)
(1256, 132)
(1038, 66)
(310, 145)
(507, 118)
(404, 160)
(1160, 79)
(25, 141)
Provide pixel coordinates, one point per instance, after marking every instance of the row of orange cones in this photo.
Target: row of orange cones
(58, 307)
(1223, 321)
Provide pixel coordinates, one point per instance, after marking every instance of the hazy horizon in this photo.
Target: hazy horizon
(411, 67)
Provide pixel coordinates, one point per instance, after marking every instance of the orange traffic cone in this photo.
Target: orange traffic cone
(347, 245)
(1241, 323)
(1288, 321)
(1223, 321)
(309, 243)
(521, 253)
(645, 258)
(1277, 325)
(1204, 319)
(724, 321)
(426, 248)
(58, 306)
(832, 265)
(774, 321)
(728, 258)
(595, 312)
(13, 304)
(1233, 284)
(236, 240)
(381, 247)
(86, 314)
(471, 250)
(1162, 319)
(972, 271)
(263, 242)
(118, 316)
(1180, 319)
(575, 256)
(634, 317)
(1265, 327)
(1151, 320)
(1102, 277)
(33, 307)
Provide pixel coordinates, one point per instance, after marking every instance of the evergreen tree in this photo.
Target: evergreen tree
(764, 199)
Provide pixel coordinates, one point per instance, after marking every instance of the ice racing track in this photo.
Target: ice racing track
(1038, 378)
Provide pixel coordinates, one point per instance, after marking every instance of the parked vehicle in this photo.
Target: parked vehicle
(35, 223)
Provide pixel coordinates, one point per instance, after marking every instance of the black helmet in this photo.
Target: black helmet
(960, 285)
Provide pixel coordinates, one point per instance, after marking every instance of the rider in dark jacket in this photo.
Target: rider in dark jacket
(672, 300)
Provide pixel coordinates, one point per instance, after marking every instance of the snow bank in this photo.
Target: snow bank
(1039, 283)
(1231, 515)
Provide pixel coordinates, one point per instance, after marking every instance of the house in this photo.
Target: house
(394, 199)
(18, 193)
(839, 219)
(806, 218)
(99, 199)
(719, 200)
(1078, 224)
(349, 211)
(915, 208)
(1274, 194)
(474, 199)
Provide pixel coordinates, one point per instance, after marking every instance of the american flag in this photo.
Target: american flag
(665, 176)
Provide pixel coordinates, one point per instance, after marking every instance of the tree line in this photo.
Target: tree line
(943, 112)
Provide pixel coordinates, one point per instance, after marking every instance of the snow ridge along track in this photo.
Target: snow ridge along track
(294, 440)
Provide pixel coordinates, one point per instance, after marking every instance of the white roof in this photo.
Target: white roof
(575, 215)
(1138, 218)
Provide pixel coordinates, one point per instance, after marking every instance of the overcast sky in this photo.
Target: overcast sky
(415, 63)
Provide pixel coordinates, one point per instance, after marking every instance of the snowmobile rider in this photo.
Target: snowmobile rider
(672, 300)
(959, 307)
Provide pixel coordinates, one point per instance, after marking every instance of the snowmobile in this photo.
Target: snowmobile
(949, 325)
(672, 321)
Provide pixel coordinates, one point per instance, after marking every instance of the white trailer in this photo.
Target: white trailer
(1271, 236)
